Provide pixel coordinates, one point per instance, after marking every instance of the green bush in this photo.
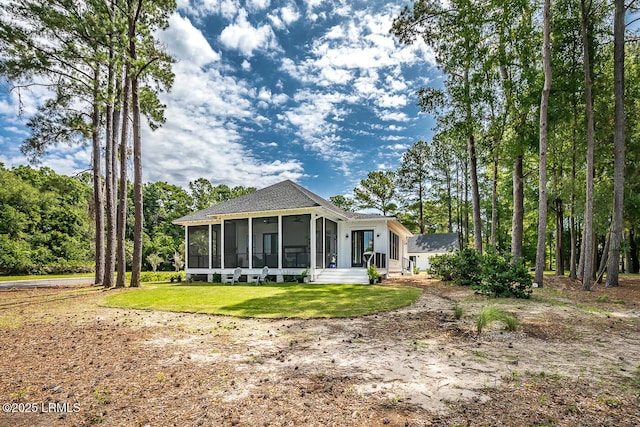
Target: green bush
(442, 266)
(158, 276)
(462, 268)
(503, 278)
(489, 274)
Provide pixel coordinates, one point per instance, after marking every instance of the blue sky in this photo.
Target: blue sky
(316, 91)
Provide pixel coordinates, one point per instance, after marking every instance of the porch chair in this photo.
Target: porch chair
(262, 277)
(232, 278)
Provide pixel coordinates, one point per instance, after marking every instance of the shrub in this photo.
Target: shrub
(462, 268)
(442, 266)
(489, 274)
(157, 276)
(503, 278)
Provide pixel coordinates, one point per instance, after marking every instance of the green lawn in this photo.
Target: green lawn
(272, 300)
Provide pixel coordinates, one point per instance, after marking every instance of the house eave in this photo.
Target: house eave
(215, 218)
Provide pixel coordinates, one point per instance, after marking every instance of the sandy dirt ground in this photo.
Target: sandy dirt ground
(574, 360)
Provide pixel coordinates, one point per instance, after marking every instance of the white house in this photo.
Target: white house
(422, 247)
(289, 229)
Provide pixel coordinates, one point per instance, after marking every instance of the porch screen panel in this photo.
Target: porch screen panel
(330, 242)
(296, 243)
(319, 241)
(265, 242)
(216, 250)
(198, 247)
(236, 243)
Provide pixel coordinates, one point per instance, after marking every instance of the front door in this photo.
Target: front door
(361, 242)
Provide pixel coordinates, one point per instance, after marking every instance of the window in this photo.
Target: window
(394, 243)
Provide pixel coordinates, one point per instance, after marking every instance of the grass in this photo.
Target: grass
(457, 311)
(489, 315)
(268, 301)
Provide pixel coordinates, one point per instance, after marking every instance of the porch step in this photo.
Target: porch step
(343, 276)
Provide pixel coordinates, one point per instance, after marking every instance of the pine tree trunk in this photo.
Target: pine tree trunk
(618, 143)
(544, 105)
(110, 190)
(122, 188)
(572, 219)
(137, 155)
(98, 201)
(449, 203)
(588, 212)
(559, 238)
(517, 224)
(494, 200)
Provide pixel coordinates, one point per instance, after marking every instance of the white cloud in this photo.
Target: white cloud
(289, 14)
(207, 112)
(187, 43)
(391, 101)
(246, 38)
(397, 116)
(257, 5)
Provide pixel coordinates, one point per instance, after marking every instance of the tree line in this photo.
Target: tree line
(537, 117)
(47, 220)
(103, 69)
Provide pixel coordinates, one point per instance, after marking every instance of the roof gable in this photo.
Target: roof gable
(437, 242)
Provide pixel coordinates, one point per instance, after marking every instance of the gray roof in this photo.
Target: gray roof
(281, 196)
(437, 242)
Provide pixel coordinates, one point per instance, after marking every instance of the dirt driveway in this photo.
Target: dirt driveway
(575, 360)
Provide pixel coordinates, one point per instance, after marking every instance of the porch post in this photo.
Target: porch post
(312, 242)
(250, 242)
(325, 258)
(209, 253)
(186, 252)
(222, 244)
(280, 242)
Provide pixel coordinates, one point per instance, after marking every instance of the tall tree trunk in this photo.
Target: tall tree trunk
(633, 252)
(544, 105)
(137, 153)
(122, 188)
(421, 208)
(466, 204)
(517, 224)
(449, 202)
(475, 194)
(588, 211)
(618, 143)
(559, 238)
(110, 189)
(572, 220)
(98, 201)
(605, 257)
(494, 199)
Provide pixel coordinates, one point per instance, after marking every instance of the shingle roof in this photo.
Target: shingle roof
(438, 242)
(283, 195)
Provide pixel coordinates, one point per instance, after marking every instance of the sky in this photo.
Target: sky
(316, 91)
